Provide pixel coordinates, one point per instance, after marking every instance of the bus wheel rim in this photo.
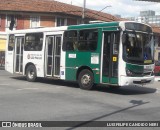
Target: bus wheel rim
(31, 74)
(86, 79)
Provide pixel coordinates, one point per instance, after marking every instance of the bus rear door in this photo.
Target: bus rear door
(53, 49)
(110, 51)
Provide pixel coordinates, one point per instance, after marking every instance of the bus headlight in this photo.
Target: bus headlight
(129, 73)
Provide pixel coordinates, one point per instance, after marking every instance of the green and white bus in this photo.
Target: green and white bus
(110, 53)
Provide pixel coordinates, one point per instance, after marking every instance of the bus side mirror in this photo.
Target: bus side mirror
(124, 36)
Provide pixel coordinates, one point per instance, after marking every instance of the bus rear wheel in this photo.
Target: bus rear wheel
(31, 74)
(86, 79)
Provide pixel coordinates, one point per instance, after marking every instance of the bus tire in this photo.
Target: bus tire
(86, 79)
(31, 73)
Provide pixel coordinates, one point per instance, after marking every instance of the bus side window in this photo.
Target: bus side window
(70, 41)
(116, 37)
(33, 42)
(11, 42)
(88, 40)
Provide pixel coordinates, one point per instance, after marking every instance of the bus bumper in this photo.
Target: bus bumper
(126, 81)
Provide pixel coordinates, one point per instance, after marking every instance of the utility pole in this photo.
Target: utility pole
(83, 13)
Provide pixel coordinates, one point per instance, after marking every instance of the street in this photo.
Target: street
(53, 100)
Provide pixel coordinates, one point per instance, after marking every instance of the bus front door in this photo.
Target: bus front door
(18, 58)
(53, 49)
(109, 74)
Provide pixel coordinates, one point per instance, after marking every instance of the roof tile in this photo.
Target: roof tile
(51, 6)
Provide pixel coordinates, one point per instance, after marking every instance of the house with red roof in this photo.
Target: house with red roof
(45, 13)
(25, 14)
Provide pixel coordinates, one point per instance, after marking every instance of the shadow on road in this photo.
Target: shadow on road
(131, 90)
(135, 103)
(50, 81)
(126, 90)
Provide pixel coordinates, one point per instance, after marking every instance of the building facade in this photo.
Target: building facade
(26, 14)
(148, 17)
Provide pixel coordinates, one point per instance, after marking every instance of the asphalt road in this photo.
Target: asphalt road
(52, 100)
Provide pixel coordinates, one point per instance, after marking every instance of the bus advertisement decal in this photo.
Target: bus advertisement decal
(95, 58)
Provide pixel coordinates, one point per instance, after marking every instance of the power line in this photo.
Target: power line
(102, 10)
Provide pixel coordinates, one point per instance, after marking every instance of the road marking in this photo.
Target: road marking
(28, 89)
(4, 84)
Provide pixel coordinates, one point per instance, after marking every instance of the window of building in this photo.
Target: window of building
(9, 19)
(33, 42)
(34, 21)
(61, 21)
(11, 42)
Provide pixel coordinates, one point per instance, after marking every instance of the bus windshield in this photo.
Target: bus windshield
(138, 47)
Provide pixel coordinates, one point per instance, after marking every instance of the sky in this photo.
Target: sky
(125, 8)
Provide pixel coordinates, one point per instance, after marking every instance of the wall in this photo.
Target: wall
(3, 21)
(26, 21)
(3, 38)
(20, 22)
(71, 21)
(47, 21)
(2, 48)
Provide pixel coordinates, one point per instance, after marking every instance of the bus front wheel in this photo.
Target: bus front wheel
(86, 79)
(31, 74)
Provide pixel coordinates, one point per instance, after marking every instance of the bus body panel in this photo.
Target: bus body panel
(9, 61)
(63, 65)
(36, 59)
(91, 26)
(72, 62)
(9, 58)
(75, 61)
(128, 81)
(142, 74)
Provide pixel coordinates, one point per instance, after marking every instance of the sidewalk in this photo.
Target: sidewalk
(157, 78)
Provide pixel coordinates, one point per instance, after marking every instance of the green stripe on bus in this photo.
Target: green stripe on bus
(135, 68)
(91, 26)
(110, 80)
